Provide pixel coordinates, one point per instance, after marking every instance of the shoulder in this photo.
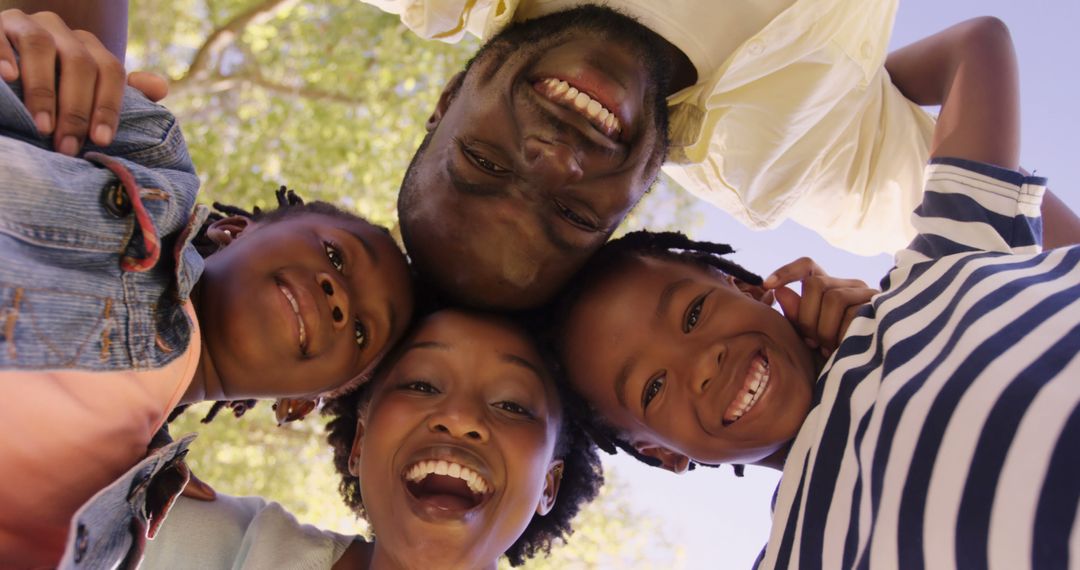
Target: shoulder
(241, 531)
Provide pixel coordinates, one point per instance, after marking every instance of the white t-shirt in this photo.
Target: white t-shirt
(235, 533)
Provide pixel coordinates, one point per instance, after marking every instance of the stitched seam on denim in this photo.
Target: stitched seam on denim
(31, 234)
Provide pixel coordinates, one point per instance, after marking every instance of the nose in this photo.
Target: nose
(551, 164)
(459, 419)
(336, 298)
(706, 368)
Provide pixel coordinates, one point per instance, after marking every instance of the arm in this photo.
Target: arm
(970, 69)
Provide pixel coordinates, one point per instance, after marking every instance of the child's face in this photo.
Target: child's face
(301, 305)
(468, 394)
(668, 352)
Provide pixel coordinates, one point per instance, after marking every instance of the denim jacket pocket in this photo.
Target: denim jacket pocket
(42, 328)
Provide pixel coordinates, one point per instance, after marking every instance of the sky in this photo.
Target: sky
(721, 521)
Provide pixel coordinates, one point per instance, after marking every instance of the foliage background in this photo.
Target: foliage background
(329, 98)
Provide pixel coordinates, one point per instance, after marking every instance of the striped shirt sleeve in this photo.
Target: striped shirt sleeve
(972, 206)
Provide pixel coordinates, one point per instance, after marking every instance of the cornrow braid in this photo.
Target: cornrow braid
(664, 245)
(289, 203)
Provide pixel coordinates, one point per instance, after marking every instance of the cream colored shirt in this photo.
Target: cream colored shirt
(793, 115)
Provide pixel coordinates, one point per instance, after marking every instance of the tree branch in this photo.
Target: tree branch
(225, 34)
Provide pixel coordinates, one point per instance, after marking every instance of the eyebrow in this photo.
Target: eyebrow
(621, 380)
(522, 363)
(667, 294)
(374, 255)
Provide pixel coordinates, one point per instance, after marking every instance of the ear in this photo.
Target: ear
(225, 230)
(357, 447)
(671, 460)
(449, 92)
(755, 292)
(551, 487)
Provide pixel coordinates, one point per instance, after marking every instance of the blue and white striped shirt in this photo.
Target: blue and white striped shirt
(945, 430)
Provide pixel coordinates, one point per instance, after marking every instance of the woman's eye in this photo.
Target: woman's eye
(334, 255)
(693, 314)
(514, 408)
(574, 218)
(361, 334)
(421, 386)
(486, 164)
(652, 388)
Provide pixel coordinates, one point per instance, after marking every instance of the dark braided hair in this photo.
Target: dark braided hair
(663, 245)
(289, 204)
(582, 473)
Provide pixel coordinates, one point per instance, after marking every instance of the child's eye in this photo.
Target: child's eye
(652, 388)
(693, 314)
(421, 386)
(514, 408)
(361, 334)
(334, 255)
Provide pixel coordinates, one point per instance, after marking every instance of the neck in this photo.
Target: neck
(381, 559)
(776, 460)
(206, 384)
(683, 73)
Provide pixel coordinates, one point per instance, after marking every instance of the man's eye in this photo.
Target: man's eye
(334, 255)
(693, 314)
(361, 334)
(574, 218)
(514, 408)
(652, 388)
(485, 164)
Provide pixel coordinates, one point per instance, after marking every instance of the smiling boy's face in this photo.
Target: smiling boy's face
(454, 451)
(686, 365)
(299, 306)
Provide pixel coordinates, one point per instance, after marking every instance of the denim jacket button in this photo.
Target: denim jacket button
(115, 200)
(82, 542)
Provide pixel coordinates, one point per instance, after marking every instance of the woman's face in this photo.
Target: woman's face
(455, 449)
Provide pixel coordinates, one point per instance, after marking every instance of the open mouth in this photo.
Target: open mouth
(754, 384)
(446, 486)
(572, 97)
(302, 340)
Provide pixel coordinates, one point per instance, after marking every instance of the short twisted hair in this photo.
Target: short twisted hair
(663, 245)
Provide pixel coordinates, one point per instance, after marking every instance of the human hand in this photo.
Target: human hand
(85, 100)
(827, 306)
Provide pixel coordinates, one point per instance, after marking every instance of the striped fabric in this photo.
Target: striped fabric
(945, 430)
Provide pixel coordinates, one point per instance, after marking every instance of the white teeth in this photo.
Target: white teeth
(296, 310)
(594, 108)
(583, 103)
(422, 469)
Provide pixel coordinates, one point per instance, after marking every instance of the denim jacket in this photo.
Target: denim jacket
(95, 259)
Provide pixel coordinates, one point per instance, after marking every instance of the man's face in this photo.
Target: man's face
(685, 364)
(533, 160)
(455, 449)
(301, 305)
